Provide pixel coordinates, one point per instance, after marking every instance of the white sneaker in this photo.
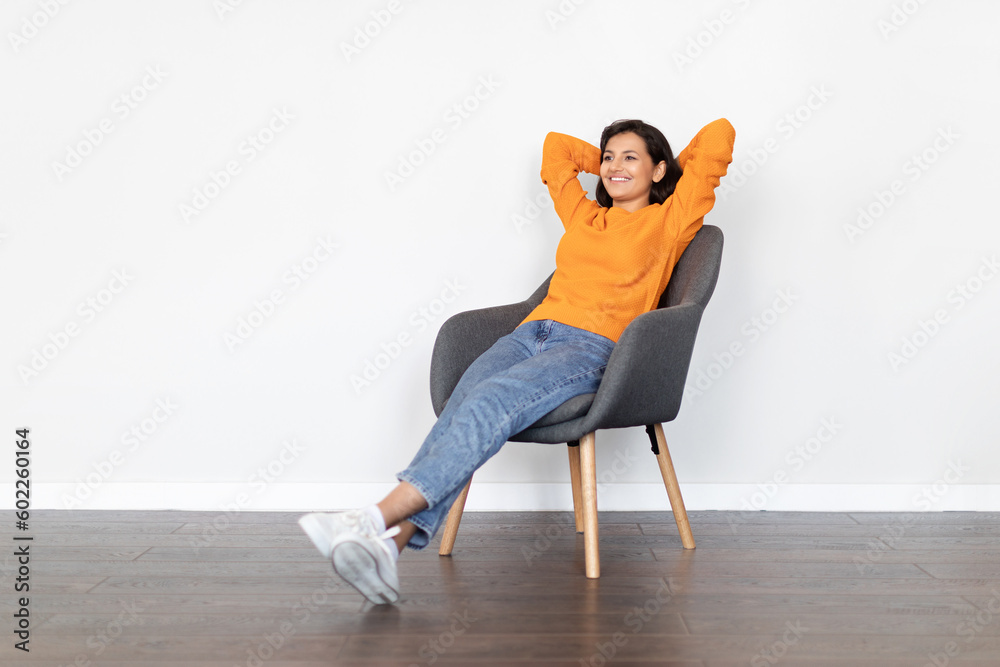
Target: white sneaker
(324, 527)
(363, 561)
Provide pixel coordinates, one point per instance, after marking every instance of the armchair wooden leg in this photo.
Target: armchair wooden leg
(454, 518)
(574, 478)
(673, 488)
(588, 475)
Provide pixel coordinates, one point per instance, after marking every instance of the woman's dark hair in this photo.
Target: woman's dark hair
(658, 149)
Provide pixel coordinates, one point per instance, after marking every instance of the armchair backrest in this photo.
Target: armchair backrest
(697, 270)
(693, 279)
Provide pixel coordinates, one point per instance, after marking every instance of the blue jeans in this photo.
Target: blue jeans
(524, 376)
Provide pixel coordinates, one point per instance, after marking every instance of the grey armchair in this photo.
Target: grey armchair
(642, 385)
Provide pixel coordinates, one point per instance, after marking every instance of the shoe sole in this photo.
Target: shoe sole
(317, 534)
(361, 570)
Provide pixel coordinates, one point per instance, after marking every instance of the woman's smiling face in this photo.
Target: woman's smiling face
(628, 172)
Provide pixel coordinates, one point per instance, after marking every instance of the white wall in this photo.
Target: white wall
(833, 104)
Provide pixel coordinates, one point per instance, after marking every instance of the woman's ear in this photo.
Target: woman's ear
(660, 171)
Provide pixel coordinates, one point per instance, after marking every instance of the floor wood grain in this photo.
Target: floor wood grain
(180, 588)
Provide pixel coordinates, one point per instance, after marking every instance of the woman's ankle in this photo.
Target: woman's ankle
(406, 531)
(402, 502)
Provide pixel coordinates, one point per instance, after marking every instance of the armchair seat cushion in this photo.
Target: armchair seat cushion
(575, 407)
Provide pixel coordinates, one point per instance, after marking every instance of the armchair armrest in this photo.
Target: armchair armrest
(644, 380)
(465, 336)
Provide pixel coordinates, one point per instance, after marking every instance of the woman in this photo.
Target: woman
(612, 264)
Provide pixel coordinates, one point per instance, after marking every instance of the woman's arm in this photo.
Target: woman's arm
(705, 161)
(563, 157)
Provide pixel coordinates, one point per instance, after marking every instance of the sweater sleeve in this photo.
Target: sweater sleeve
(563, 158)
(704, 161)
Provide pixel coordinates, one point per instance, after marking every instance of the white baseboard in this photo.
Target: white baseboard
(486, 496)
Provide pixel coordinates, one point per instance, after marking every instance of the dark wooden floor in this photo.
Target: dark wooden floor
(170, 588)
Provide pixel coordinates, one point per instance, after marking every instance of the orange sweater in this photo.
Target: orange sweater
(612, 265)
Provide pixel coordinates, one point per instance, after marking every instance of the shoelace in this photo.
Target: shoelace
(366, 525)
(380, 539)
